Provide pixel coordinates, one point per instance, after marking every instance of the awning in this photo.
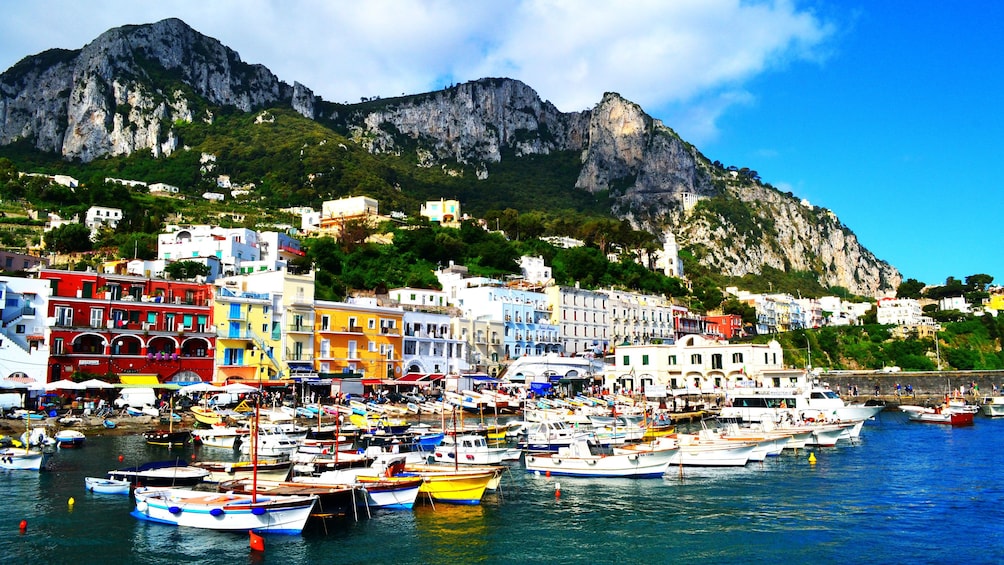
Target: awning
(301, 367)
(371, 382)
(412, 377)
(138, 379)
(435, 377)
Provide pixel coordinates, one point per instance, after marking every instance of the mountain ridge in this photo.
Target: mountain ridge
(125, 91)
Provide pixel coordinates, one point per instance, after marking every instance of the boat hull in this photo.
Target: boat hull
(454, 488)
(635, 465)
(19, 459)
(946, 418)
(225, 512)
(100, 485)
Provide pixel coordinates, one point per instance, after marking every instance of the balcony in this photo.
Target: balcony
(390, 331)
(300, 328)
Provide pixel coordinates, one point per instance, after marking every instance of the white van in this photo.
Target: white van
(136, 397)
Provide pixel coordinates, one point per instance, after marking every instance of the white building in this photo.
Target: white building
(162, 188)
(24, 333)
(430, 345)
(582, 317)
(98, 216)
(900, 312)
(232, 246)
(698, 365)
(667, 259)
(564, 242)
(214, 196)
(955, 303)
(407, 296)
(534, 270)
(639, 318)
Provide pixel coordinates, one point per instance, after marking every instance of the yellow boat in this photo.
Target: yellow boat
(206, 416)
(653, 432)
(452, 486)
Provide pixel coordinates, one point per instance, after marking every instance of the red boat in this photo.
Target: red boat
(940, 416)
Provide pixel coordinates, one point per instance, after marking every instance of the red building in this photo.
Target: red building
(729, 325)
(104, 323)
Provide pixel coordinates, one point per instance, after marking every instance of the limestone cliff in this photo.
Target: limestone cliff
(123, 91)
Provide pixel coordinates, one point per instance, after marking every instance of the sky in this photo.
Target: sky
(887, 113)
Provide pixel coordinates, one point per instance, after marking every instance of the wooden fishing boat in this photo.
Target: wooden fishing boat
(26, 459)
(224, 511)
(168, 438)
(206, 416)
(582, 459)
(267, 469)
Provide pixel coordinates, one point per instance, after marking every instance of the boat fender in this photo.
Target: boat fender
(258, 511)
(633, 457)
(556, 461)
(174, 510)
(216, 512)
(141, 505)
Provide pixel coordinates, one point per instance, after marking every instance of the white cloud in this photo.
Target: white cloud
(690, 57)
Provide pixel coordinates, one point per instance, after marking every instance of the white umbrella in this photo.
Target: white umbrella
(239, 388)
(96, 383)
(64, 385)
(200, 387)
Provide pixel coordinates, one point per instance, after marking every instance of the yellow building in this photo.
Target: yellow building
(445, 212)
(264, 334)
(358, 337)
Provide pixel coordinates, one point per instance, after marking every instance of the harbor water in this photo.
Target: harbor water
(905, 493)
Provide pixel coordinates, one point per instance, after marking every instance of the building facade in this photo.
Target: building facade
(358, 337)
(120, 324)
(24, 333)
(582, 318)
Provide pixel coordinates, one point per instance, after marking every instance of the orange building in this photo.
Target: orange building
(358, 337)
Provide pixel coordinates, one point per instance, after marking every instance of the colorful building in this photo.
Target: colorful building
(358, 337)
(107, 324)
(265, 334)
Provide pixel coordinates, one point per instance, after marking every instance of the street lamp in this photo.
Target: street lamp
(808, 350)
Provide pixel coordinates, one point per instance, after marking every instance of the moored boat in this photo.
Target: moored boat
(582, 459)
(70, 438)
(26, 459)
(469, 449)
(174, 472)
(224, 511)
(939, 415)
(267, 469)
(101, 485)
(993, 406)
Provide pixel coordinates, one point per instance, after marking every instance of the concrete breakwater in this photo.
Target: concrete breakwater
(928, 387)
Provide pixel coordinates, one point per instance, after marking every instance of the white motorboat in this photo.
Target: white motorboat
(470, 449)
(753, 404)
(223, 437)
(583, 459)
(70, 438)
(695, 452)
(993, 406)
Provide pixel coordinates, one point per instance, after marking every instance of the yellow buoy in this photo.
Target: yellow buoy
(71, 502)
(812, 458)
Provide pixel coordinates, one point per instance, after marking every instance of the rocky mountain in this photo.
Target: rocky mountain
(124, 91)
(121, 92)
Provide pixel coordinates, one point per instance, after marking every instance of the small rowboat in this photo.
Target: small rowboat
(99, 485)
(110, 424)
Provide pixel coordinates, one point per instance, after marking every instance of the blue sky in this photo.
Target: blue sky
(887, 113)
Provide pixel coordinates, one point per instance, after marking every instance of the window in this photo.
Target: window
(372, 323)
(64, 316)
(352, 323)
(672, 359)
(695, 359)
(57, 346)
(737, 357)
(97, 317)
(716, 361)
(409, 347)
(325, 321)
(644, 359)
(325, 348)
(371, 346)
(627, 360)
(352, 350)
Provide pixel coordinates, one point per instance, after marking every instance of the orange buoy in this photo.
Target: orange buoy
(547, 473)
(557, 490)
(193, 457)
(121, 458)
(257, 542)
(23, 526)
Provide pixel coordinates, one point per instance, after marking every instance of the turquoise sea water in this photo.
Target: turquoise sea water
(907, 493)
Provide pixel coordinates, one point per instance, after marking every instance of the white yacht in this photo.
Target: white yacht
(754, 404)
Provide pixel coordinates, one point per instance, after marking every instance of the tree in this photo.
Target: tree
(68, 238)
(742, 309)
(185, 270)
(138, 246)
(910, 288)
